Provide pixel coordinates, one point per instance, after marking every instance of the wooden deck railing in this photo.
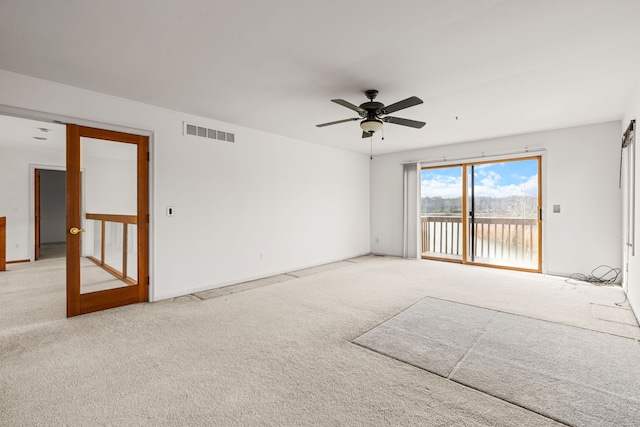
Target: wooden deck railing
(494, 238)
(125, 220)
(442, 234)
(3, 243)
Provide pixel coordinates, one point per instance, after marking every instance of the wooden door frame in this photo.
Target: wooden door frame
(3, 243)
(37, 215)
(78, 303)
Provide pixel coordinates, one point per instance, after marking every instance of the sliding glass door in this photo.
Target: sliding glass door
(504, 213)
(499, 204)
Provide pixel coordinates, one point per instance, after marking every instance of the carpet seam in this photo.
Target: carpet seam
(615, 321)
(610, 321)
(519, 365)
(386, 320)
(513, 403)
(536, 318)
(473, 346)
(462, 384)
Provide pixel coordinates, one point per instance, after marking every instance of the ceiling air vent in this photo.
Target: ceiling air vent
(203, 132)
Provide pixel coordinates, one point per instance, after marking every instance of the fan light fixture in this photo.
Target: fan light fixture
(371, 126)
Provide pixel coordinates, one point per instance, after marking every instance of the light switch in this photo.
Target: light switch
(170, 210)
(556, 208)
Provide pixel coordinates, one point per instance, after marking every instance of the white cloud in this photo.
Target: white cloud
(528, 188)
(450, 187)
(442, 186)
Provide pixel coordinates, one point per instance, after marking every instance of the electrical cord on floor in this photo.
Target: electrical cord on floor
(601, 275)
(622, 304)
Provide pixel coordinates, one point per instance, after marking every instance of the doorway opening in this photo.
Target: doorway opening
(483, 213)
(32, 292)
(49, 214)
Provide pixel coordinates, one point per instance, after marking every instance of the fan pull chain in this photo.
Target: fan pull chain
(371, 147)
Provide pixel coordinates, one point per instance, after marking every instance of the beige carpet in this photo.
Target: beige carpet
(275, 354)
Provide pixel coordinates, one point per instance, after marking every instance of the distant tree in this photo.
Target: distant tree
(508, 207)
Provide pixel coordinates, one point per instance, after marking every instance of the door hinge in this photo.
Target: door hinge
(148, 218)
(148, 280)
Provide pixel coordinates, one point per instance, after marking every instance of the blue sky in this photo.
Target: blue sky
(491, 179)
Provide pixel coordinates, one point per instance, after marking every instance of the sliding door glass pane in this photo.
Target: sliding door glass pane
(503, 205)
(441, 212)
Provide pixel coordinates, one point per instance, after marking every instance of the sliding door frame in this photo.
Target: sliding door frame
(467, 220)
(466, 217)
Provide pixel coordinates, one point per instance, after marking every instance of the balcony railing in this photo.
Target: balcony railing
(512, 240)
(112, 244)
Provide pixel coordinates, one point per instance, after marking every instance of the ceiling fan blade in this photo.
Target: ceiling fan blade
(401, 105)
(366, 134)
(404, 122)
(337, 121)
(349, 105)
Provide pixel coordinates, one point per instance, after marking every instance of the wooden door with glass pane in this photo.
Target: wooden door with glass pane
(107, 219)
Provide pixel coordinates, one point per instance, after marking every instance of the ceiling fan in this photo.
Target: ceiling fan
(374, 114)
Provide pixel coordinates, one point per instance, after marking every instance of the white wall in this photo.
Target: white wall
(632, 279)
(53, 222)
(580, 173)
(298, 204)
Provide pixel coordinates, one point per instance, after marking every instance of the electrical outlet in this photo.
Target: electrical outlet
(377, 240)
(261, 257)
(17, 246)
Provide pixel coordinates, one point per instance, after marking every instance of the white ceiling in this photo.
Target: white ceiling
(501, 66)
(26, 134)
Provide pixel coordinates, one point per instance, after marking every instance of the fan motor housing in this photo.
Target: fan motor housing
(372, 107)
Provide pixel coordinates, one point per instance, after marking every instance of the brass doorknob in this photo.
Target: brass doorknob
(75, 230)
